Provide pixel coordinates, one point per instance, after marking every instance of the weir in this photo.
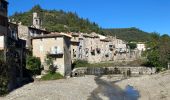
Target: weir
(126, 70)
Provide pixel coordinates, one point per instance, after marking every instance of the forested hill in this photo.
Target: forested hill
(60, 21)
(128, 34)
(57, 20)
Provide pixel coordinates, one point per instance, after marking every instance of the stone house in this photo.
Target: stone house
(26, 32)
(121, 49)
(11, 48)
(57, 46)
(74, 46)
(106, 49)
(89, 48)
(15, 56)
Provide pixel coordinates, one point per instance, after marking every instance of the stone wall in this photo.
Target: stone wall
(113, 70)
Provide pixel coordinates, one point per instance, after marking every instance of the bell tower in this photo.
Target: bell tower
(36, 21)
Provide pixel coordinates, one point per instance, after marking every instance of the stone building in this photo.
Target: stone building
(26, 32)
(121, 49)
(15, 56)
(3, 23)
(89, 48)
(74, 46)
(55, 45)
(11, 47)
(106, 50)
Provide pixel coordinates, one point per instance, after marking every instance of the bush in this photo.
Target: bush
(52, 69)
(3, 78)
(34, 65)
(132, 45)
(52, 76)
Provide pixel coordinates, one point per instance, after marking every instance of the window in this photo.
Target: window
(36, 22)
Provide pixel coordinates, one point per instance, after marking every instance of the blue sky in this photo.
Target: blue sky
(148, 15)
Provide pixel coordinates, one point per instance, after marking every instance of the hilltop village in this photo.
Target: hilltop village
(17, 40)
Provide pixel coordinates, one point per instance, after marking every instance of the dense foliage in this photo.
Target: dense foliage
(128, 34)
(33, 64)
(158, 53)
(3, 75)
(54, 20)
(3, 78)
(132, 45)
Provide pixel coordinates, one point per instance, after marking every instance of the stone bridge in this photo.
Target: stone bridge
(125, 70)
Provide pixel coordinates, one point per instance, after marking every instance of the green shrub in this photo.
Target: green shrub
(34, 65)
(52, 76)
(3, 78)
(132, 45)
(52, 69)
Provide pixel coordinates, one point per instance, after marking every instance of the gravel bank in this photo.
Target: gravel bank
(153, 87)
(66, 89)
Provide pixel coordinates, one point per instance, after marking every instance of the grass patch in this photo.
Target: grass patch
(52, 76)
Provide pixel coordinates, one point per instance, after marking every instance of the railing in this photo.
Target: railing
(55, 51)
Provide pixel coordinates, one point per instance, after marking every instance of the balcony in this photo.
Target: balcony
(55, 52)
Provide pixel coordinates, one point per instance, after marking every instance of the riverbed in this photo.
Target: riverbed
(89, 87)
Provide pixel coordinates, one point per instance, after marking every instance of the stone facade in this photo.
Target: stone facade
(56, 45)
(26, 32)
(96, 48)
(74, 46)
(15, 56)
(3, 17)
(89, 48)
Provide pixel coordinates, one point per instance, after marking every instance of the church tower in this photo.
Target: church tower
(36, 21)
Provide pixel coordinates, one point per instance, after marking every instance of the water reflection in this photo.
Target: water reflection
(109, 90)
(131, 93)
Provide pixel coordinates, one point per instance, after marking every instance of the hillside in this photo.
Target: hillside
(128, 34)
(60, 21)
(54, 20)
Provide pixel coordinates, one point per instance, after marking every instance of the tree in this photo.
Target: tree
(132, 45)
(158, 54)
(34, 65)
(50, 64)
